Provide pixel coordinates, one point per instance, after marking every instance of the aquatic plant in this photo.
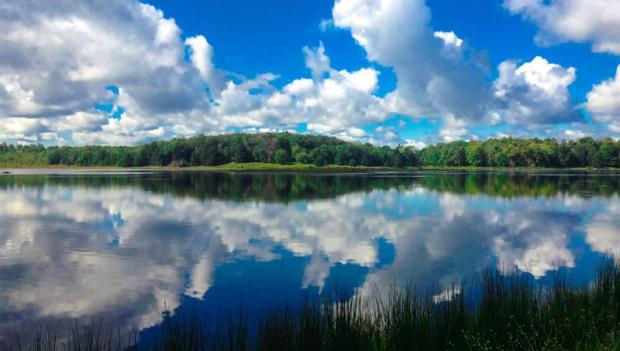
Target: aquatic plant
(493, 311)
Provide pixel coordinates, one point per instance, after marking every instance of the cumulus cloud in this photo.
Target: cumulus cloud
(603, 101)
(65, 59)
(535, 92)
(26, 129)
(449, 38)
(453, 128)
(593, 21)
(122, 73)
(317, 61)
(342, 100)
(202, 58)
(60, 56)
(332, 102)
(431, 81)
(439, 76)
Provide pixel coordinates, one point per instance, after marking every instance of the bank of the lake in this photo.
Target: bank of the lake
(303, 167)
(229, 167)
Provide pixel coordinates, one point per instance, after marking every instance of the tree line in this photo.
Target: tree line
(216, 150)
(511, 152)
(283, 148)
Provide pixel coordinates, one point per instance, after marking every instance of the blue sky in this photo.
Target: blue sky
(267, 36)
(382, 71)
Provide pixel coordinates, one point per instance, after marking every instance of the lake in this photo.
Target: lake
(128, 246)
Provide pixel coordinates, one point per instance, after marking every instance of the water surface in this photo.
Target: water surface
(127, 246)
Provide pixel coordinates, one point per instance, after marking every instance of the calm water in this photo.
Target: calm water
(127, 246)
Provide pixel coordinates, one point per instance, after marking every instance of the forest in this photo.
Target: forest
(286, 148)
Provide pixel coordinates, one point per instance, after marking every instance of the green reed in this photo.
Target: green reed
(492, 311)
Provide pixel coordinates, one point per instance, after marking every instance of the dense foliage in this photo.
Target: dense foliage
(283, 148)
(216, 150)
(510, 152)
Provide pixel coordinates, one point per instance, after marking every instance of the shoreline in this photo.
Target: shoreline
(298, 168)
(256, 167)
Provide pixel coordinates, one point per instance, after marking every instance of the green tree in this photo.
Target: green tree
(281, 156)
(475, 154)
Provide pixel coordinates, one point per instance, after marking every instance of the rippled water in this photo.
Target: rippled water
(127, 246)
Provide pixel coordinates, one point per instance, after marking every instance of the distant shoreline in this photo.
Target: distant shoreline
(303, 168)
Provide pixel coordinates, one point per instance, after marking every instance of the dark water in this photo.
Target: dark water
(125, 247)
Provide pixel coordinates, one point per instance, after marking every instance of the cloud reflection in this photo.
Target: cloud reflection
(82, 252)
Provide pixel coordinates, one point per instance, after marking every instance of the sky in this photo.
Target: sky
(388, 72)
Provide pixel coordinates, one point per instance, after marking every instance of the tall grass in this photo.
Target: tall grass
(493, 311)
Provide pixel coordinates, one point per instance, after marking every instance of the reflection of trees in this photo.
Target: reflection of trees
(523, 184)
(284, 188)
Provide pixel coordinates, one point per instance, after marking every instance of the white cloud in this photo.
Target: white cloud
(60, 56)
(431, 80)
(594, 21)
(201, 56)
(604, 100)
(61, 59)
(453, 129)
(81, 121)
(317, 61)
(23, 129)
(352, 134)
(535, 92)
(417, 144)
(439, 76)
(384, 135)
(58, 63)
(332, 102)
(449, 38)
(574, 134)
